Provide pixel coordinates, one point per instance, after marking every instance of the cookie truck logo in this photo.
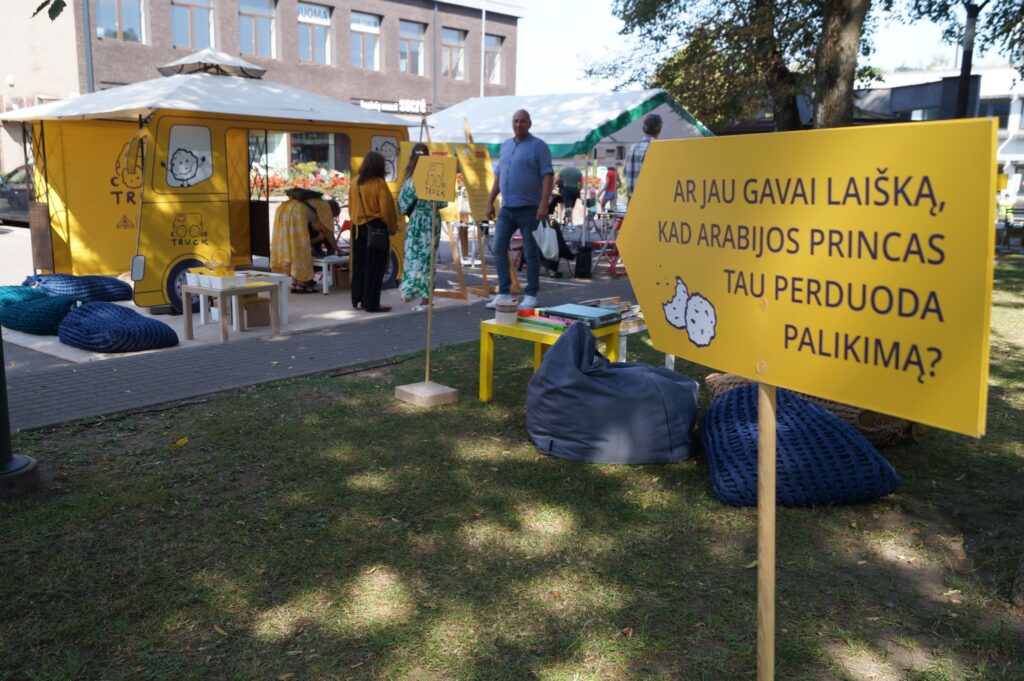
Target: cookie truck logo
(187, 230)
(124, 184)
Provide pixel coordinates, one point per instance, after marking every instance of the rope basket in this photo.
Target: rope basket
(881, 430)
(106, 327)
(820, 459)
(39, 316)
(89, 287)
(10, 295)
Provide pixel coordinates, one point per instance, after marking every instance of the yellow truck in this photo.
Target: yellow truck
(167, 174)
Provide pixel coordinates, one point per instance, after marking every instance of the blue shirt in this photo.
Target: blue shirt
(521, 170)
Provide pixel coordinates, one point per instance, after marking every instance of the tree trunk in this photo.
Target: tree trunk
(842, 24)
(780, 81)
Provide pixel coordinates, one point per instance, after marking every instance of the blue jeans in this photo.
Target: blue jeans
(509, 220)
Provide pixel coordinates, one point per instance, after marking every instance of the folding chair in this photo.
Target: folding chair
(607, 250)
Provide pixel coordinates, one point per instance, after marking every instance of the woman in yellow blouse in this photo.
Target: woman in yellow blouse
(372, 211)
(302, 224)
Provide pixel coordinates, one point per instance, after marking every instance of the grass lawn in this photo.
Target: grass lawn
(320, 529)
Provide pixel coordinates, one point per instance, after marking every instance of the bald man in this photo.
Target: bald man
(524, 177)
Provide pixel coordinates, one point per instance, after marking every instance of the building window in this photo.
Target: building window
(492, 59)
(119, 20)
(998, 108)
(453, 53)
(410, 47)
(314, 33)
(192, 23)
(365, 41)
(256, 28)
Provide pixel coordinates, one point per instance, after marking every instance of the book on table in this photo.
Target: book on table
(543, 323)
(593, 317)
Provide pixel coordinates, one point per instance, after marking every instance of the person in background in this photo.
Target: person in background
(422, 234)
(374, 220)
(638, 152)
(610, 191)
(571, 178)
(523, 177)
(302, 229)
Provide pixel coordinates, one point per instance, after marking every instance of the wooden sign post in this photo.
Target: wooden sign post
(434, 179)
(852, 264)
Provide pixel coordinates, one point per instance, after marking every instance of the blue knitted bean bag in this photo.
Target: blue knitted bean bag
(41, 316)
(88, 287)
(16, 294)
(106, 327)
(820, 459)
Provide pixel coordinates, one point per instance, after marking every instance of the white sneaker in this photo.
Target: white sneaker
(500, 299)
(528, 303)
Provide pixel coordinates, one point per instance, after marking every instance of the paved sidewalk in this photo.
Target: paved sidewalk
(46, 392)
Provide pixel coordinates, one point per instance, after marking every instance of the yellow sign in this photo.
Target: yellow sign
(434, 178)
(854, 264)
(477, 176)
(449, 212)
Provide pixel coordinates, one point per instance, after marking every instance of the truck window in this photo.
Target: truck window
(189, 155)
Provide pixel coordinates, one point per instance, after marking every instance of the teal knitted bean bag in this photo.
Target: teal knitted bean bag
(40, 316)
(16, 294)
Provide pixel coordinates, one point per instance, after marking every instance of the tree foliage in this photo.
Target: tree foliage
(53, 8)
(726, 59)
(734, 56)
(1000, 28)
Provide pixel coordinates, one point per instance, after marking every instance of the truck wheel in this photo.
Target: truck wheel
(176, 279)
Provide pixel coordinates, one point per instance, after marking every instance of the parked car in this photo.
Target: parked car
(14, 195)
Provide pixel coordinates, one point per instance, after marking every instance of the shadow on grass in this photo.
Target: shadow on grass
(321, 529)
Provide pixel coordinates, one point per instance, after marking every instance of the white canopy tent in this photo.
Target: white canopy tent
(198, 84)
(571, 124)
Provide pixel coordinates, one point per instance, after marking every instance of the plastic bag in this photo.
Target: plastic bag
(547, 240)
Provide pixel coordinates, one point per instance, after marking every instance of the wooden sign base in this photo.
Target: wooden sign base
(426, 394)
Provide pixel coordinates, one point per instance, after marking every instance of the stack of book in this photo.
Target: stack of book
(593, 317)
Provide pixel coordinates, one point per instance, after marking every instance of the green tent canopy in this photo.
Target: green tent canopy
(571, 124)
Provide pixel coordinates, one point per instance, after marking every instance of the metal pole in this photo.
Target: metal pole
(90, 84)
(437, 48)
(17, 473)
(483, 50)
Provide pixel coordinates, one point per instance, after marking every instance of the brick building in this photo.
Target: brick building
(400, 56)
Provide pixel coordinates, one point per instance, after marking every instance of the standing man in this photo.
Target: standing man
(571, 178)
(637, 152)
(523, 178)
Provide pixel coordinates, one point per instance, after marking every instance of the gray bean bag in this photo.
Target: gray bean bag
(581, 407)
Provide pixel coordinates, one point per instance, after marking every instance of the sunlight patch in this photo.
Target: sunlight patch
(862, 665)
(573, 593)
(378, 597)
(282, 621)
(372, 481)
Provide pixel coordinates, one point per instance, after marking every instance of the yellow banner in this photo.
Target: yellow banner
(478, 178)
(854, 264)
(434, 178)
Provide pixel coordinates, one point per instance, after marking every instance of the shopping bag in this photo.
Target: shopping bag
(547, 240)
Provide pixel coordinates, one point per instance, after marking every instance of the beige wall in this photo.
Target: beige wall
(40, 59)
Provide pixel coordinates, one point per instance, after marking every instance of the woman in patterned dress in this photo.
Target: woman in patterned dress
(424, 223)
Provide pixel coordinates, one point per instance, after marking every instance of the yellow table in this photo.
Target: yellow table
(223, 296)
(541, 338)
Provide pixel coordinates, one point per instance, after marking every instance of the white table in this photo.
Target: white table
(222, 295)
(283, 281)
(327, 263)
